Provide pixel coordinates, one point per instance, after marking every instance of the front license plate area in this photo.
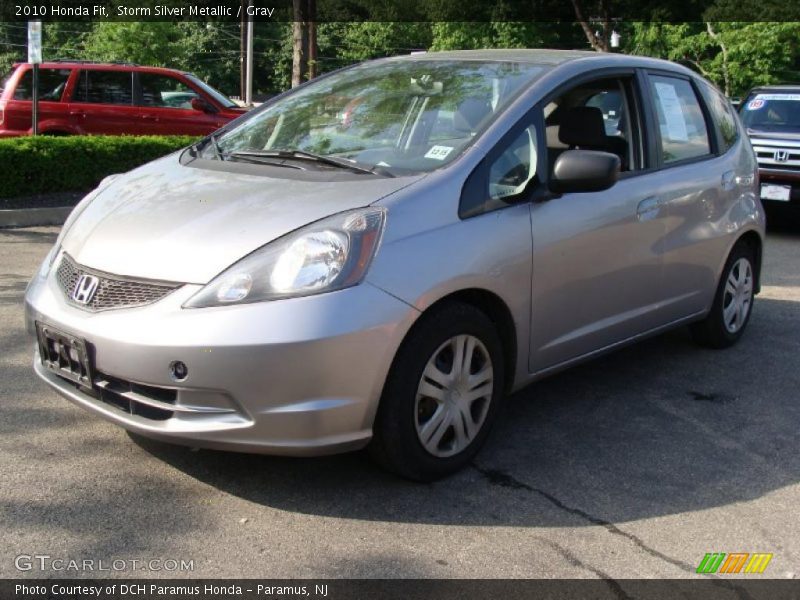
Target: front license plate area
(64, 354)
(781, 193)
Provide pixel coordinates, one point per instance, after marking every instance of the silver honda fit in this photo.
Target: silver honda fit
(377, 257)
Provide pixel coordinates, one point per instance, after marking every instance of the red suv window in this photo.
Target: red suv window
(51, 84)
(105, 87)
(165, 92)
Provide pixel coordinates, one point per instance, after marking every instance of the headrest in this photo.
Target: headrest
(470, 113)
(582, 126)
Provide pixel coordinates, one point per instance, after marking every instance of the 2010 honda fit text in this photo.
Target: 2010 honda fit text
(377, 257)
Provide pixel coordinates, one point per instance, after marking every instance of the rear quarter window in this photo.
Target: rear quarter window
(51, 84)
(722, 115)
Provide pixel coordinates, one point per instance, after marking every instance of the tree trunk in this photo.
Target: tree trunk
(299, 42)
(598, 43)
(725, 70)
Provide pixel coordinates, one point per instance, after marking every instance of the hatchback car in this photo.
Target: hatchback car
(280, 288)
(111, 99)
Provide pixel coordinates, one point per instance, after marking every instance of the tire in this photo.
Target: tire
(458, 414)
(724, 325)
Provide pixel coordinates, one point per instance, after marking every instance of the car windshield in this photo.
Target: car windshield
(772, 111)
(402, 115)
(214, 93)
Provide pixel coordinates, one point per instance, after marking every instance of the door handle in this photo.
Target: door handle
(150, 117)
(77, 113)
(728, 180)
(648, 208)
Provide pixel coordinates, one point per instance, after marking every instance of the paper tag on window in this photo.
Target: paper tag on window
(439, 152)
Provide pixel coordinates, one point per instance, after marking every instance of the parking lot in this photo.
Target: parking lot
(634, 465)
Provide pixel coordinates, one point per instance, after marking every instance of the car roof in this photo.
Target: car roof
(100, 66)
(548, 58)
(786, 87)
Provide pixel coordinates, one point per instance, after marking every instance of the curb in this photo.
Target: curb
(31, 217)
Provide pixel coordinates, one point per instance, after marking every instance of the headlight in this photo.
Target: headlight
(328, 255)
(47, 263)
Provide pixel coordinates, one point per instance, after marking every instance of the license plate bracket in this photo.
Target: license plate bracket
(65, 355)
(781, 193)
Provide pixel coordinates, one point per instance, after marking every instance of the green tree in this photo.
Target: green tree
(734, 55)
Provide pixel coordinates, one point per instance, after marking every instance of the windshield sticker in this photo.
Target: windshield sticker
(767, 97)
(755, 104)
(673, 112)
(439, 152)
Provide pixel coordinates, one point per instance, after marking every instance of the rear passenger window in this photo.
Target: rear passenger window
(684, 133)
(105, 87)
(722, 114)
(51, 84)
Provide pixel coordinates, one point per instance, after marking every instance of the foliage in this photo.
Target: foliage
(41, 164)
(734, 55)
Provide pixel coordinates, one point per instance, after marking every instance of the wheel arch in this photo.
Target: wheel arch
(494, 307)
(756, 244)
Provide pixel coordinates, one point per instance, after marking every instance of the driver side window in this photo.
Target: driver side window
(514, 169)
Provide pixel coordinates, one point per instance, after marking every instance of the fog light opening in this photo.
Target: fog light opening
(178, 370)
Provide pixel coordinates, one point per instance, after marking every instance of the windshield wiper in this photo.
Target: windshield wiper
(258, 159)
(341, 163)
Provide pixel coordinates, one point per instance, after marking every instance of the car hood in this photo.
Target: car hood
(177, 223)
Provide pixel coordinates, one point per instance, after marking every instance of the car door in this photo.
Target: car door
(698, 185)
(165, 107)
(102, 103)
(597, 256)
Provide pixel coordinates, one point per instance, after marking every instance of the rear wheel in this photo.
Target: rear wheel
(733, 301)
(442, 394)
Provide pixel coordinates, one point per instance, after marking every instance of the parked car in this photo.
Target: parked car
(264, 291)
(771, 115)
(112, 99)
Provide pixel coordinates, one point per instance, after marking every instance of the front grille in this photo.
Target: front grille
(777, 154)
(112, 291)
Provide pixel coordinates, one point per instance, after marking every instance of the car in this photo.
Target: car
(111, 99)
(771, 115)
(277, 288)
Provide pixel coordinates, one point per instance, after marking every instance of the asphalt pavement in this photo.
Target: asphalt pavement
(632, 466)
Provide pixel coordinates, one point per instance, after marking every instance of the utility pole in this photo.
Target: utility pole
(242, 49)
(35, 57)
(248, 98)
(312, 39)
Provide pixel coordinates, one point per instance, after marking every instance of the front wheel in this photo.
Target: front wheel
(733, 301)
(441, 396)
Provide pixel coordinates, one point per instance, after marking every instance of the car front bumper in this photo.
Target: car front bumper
(296, 377)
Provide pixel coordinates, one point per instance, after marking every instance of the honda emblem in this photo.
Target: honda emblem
(85, 288)
(781, 155)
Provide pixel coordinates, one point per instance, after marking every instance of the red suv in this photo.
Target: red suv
(79, 97)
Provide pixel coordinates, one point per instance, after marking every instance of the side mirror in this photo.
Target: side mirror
(584, 171)
(201, 105)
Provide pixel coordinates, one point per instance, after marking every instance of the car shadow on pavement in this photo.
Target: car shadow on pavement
(659, 428)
